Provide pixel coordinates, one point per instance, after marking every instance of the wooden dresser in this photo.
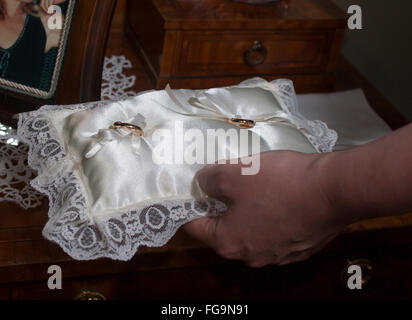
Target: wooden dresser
(185, 269)
(205, 43)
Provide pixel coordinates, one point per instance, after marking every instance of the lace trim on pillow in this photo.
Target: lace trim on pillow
(116, 236)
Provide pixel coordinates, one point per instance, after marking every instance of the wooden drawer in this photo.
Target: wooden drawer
(250, 53)
(203, 43)
(321, 277)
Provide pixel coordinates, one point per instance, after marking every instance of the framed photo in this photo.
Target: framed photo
(51, 52)
(32, 44)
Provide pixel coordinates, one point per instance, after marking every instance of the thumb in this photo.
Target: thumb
(215, 179)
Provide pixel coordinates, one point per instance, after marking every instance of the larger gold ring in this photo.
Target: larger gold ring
(242, 123)
(128, 126)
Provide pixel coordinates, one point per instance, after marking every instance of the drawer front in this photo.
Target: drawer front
(244, 53)
(385, 275)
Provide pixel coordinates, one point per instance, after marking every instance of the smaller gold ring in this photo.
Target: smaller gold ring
(242, 123)
(128, 126)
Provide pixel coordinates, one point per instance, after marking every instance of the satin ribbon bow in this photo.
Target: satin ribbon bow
(104, 136)
(205, 102)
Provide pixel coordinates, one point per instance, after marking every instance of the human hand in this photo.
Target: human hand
(45, 4)
(281, 215)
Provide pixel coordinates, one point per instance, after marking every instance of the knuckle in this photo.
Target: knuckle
(230, 250)
(256, 264)
(283, 263)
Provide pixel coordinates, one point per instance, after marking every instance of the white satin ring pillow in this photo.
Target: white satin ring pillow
(111, 190)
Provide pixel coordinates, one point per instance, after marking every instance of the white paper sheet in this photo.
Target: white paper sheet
(348, 113)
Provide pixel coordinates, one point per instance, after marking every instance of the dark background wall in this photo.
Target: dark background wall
(382, 51)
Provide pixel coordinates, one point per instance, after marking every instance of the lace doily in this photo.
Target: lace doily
(115, 83)
(15, 174)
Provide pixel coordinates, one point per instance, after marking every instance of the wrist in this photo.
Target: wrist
(336, 175)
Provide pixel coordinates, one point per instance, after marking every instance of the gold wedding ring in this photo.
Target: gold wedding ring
(242, 123)
(128, 126)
